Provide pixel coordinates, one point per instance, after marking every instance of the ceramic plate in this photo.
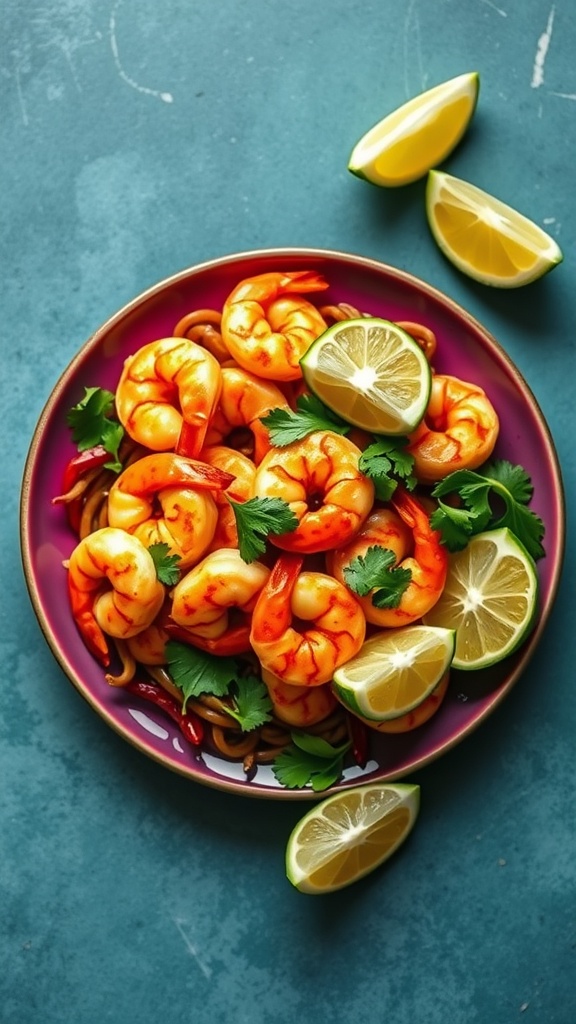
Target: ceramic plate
(465, 349)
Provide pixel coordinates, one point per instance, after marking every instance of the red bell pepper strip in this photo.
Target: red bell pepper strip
(83, 462)
(190, 724)
(358, 733)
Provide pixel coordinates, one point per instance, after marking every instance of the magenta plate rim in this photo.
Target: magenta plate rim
(465, 348)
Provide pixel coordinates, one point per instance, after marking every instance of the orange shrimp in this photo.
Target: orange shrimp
(181, 488)
(244, 400)
(243, 470)
(305, 657)
(407, 532)
(299, 706)
(267, 324)
(320, 480)
(203, 600)
(113, 588)
(167, 393)
(459, 430)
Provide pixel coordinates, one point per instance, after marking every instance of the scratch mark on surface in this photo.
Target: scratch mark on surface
(498, 10)
(412, 48)
(166, 97)
(206, 971)
(19, 92)
(564, 95)
(541, 52)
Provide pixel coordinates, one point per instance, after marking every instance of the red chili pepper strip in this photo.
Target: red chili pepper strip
(81, 463)
(359, 736)
(235, 640)
(190, 725)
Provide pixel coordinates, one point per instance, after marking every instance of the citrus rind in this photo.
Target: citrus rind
(485, 238)
(349, 834)
(371, 373)
(490, 599)
(419, 135)
(395, 671)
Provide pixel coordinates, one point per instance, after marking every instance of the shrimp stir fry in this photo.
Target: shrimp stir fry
(195, 407)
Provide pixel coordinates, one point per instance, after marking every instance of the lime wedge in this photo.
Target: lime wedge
(371, 373)
(395, 671)
(484, 238)
(417, 136)
(349, 834)
(490, 599)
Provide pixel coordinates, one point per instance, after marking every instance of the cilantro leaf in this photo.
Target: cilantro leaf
(285, 426)
(256, 519)
(386, 462)
(166, 565)
(91, 424)
(374, 571)
(251, 705)
(310, 760)
(195, 672)
(473, 512)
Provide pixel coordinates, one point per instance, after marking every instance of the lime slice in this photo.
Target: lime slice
(394, 671)
(349, 834)
(418, 135)
(484, 238)
(490, 599)
(371, 373)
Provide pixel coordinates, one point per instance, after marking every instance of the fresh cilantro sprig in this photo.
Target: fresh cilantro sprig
(375, 571)
(387, 462)
(285, 426)
(92, 424)
(473, 511)
(310, 760)
(250, 703)
(166, 565)
(256, 519)
(195, 672)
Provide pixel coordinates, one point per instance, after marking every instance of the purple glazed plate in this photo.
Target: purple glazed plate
(465, 349)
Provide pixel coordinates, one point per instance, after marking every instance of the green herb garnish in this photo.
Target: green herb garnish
(473, 511)
(256, 519)
(285, 426)
(92, 424)
(310, 760)
(166, 565)
(375, 571)
(386, 462)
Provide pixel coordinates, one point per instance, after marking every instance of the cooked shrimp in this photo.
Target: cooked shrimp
(305, 657)
(244, 400)
(407, 532)
(167, 393)
(459, 430)
(299, 706)
(267, 324)
(243, 470)
(166, 498)
(113, 588)
(320, 480)
(204, 600)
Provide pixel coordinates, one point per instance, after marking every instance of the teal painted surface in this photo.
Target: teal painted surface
(139, 138)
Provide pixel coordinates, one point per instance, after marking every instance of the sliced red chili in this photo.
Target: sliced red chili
(190, 724)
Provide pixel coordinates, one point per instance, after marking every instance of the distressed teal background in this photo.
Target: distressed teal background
(138, 138)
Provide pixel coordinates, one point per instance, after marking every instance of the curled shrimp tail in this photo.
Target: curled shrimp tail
(272, 614)
(82, 604)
